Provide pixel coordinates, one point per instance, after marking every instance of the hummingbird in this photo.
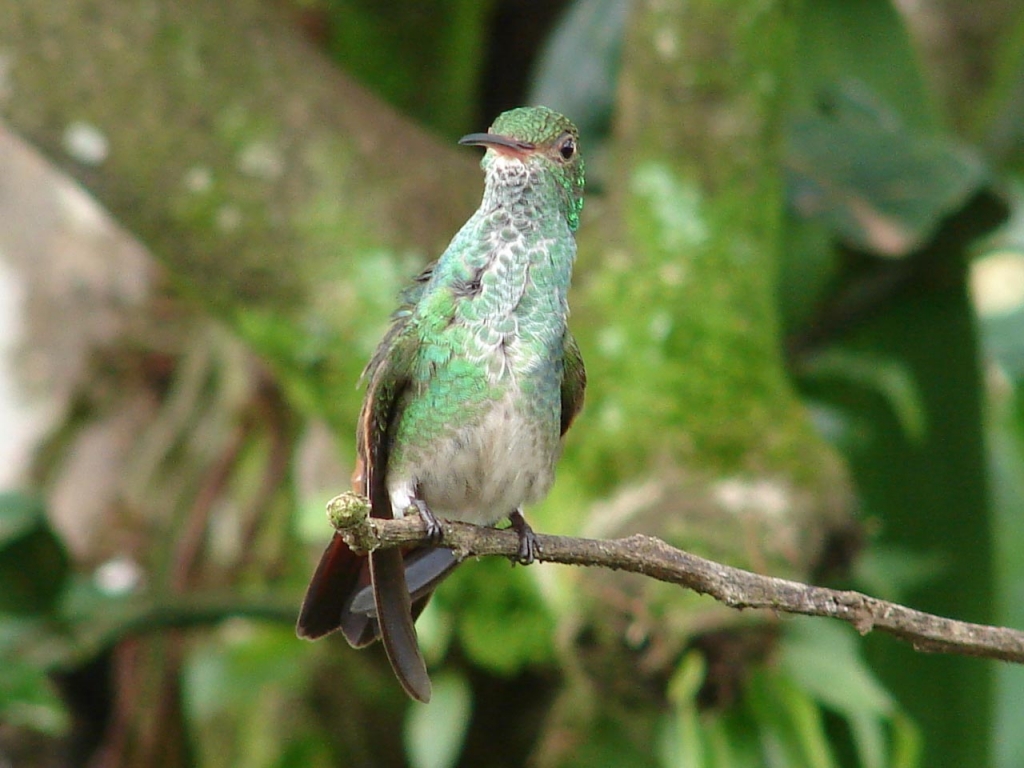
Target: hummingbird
(470, 391)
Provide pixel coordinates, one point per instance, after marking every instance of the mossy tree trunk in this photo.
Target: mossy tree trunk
(692, 429)
(272, 187)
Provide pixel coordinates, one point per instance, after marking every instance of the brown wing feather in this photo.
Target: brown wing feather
(341, 575)
(389, 378)
(574, 381)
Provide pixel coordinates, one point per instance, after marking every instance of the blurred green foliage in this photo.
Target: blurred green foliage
(34, 566)
(887, 206)
(425, 58)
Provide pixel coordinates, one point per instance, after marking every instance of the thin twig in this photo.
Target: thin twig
(734, 587)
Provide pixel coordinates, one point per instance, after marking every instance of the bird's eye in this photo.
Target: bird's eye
(567, 148)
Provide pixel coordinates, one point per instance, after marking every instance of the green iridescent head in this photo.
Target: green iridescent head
(538, 135)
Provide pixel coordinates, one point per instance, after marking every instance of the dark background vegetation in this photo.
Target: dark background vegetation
(798, 294)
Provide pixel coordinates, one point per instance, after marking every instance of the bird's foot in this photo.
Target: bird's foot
(434, 530)
(528, 544)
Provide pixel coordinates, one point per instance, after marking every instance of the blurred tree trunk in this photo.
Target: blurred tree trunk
(692, 426)
(267, 182)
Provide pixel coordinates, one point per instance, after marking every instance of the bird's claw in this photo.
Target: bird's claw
(528, 544)
(434, 530)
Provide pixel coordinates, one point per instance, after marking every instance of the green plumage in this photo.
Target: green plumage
(476, 380)
(479, 351)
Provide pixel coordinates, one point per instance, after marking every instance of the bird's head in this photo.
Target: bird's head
(544, 141)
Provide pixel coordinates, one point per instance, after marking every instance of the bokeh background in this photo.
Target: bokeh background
(800, 296)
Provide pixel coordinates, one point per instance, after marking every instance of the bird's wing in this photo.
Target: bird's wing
(389, 376)
(574, 381)
(336, 597)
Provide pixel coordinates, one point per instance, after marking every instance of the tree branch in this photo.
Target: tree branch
(652, 557)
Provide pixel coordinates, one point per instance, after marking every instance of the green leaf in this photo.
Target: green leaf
(907, 746)
(883, 188)
(435, 732)
(681, 742)
(881, 54)
(824, 659)
(931, 496)
(34, 566)
(28, 699)
(928, 496)
(502, 621)
(789, 723)
(27, 696)
(888, 377)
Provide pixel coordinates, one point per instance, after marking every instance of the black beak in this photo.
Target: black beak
(498, 142)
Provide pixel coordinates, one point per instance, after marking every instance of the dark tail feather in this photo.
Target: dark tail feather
(394, 614)
(418, 574)
(339, 577)
(340, 596)
(425, 568)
